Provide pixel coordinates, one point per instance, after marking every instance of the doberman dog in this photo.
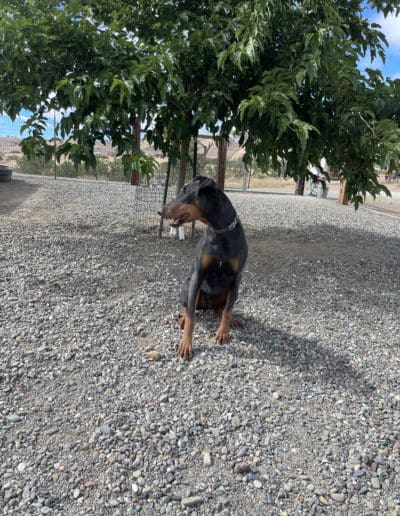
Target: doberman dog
(220, 257)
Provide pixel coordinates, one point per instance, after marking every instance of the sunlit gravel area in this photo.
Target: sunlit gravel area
(298, 414)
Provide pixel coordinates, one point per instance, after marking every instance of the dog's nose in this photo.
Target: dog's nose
(160, 211)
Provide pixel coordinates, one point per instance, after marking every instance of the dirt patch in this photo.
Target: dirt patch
(15, 192)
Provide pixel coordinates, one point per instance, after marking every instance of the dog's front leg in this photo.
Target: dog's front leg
(222, 334)
(185, 349)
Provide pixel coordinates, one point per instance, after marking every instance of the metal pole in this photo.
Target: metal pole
(165, 195)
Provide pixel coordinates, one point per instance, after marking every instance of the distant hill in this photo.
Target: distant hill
(10, 149)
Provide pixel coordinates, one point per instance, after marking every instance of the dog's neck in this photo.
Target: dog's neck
(229, 227)
(222, 221)
(218, 212)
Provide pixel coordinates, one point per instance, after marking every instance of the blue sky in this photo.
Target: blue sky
(391, 68)
(13, 128)
(390, 26)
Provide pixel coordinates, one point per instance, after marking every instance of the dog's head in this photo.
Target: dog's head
(192, 202)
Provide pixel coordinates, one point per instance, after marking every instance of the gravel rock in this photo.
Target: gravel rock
(191, 501)
(98, 414)
(338, 497)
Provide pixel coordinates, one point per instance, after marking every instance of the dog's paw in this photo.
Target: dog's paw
(236, 323)
(185, 349)
(222, 335)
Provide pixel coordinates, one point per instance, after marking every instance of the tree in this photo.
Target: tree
(311, 101)
(136, 130)
(57, 56)
(282, 74)
(221, 161)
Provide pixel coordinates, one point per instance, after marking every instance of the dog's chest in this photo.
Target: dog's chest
(218, 267)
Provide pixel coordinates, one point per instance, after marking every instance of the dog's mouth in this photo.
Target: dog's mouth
(179, 220)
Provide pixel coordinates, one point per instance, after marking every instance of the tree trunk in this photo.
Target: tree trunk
(202, 158)
(182, 166)
(343, 199)
(300, 184)
(221, 165)
(136, 138)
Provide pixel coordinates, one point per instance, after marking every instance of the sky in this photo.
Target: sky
(390, 26)
(391, 68)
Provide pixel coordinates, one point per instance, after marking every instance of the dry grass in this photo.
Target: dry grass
(261, 182)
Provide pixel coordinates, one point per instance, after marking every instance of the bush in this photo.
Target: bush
(41, 167)
(34, 166)
(108, 170)
(67, 169)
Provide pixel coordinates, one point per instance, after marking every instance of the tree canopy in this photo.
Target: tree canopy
(282, 74)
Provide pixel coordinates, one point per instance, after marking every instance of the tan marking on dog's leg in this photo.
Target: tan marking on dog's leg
(235, 323)
(185, 348)
(222, 334)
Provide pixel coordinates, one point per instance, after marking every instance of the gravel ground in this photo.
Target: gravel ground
(298, 414)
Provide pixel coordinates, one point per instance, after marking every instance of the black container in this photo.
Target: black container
(5, 173)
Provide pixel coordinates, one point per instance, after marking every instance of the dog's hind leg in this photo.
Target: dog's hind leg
(217, 303)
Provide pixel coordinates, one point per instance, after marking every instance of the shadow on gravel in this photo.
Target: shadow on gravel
(14, 193)
(322, 241)
(311, 362)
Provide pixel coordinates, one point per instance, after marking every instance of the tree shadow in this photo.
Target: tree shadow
(14, 193)
(307, 359)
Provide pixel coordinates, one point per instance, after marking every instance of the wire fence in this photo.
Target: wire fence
(148, 200)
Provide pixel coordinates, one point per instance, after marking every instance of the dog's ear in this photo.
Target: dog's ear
(204, 183)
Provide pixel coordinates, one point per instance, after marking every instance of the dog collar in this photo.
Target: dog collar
(231, 226)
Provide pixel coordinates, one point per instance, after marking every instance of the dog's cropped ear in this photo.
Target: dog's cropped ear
(204, 183)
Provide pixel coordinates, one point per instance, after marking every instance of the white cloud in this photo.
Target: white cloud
(391, 28)
(23, 118)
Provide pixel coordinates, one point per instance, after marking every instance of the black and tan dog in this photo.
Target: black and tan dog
(220, 256)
